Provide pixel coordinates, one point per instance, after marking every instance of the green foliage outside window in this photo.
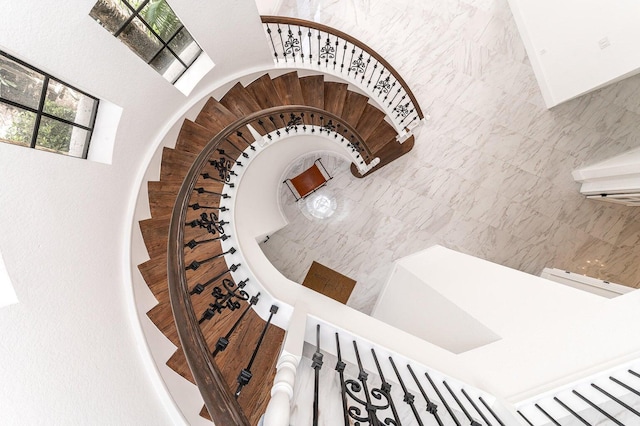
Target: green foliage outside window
(52, 134)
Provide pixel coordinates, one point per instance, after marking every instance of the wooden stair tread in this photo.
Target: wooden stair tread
(288, 88)
(334, 97)
(313, 90)
(240, 101)
(178, 363)
(155, 235)
(390, 152)
(354, 106)
(214, 116)
(370, 119)
(383, 134)
(154, 272)
(193, 137)
(162, 317)
(175, 164)
(264, 92)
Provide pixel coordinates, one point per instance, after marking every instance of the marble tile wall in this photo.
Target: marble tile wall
(490, 174)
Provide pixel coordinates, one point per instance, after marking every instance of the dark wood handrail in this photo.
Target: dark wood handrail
(270, 19)
(219, 400)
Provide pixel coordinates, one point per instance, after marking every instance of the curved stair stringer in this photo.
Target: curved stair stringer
(193, 136)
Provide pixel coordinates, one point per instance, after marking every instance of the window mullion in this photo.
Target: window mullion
(43, 96)
(135, 12)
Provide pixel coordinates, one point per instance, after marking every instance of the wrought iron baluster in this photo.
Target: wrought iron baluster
(432, 408)
(223, 342)
(310, 49)
(201, 190)
(464, 410)
(386, 386)
(193, 243)
(319, 49)
(335, 59)
(199, 288)
(373, 72)
(344, 53)
(624, 385)
(223, 166)
(208, 176)
(525, 419)
(353, 51)
(245, 375)
(227, 297)
(284, 51)
(604, 413)
(364, 73)
(316, 364)
(617, 400)
(396, 95)
(340, 366)
(355, 387)
(197, 206)
(554, 421)
(495, 416)
(301, 49)
(275, 52)
(377, 85)
(222, 152)
(198, 263)
(292, 45)
(249, 144)
(408, 396)
(475, 407)
(444, 401)
(241, 151)
(210, 223)
(576, 415)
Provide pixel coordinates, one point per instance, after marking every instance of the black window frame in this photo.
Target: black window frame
(135, 13)
(40, 113)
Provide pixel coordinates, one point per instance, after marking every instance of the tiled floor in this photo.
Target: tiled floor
(491, 171)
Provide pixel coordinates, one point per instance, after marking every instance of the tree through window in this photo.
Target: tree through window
(39, 111)
(152, 31)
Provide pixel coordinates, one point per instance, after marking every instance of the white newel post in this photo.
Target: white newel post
(279, 408)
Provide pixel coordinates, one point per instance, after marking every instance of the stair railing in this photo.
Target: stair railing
(219, 399)
(298, 43)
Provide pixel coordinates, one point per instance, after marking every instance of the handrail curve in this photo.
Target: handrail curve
(360, 66)
(217, 397)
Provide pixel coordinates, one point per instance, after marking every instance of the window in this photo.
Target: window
(152, 31)
(39, 111)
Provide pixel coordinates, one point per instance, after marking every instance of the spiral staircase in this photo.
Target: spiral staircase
(379, 139)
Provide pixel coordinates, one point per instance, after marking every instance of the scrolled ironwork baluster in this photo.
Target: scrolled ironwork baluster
(197, 206)
(209, 222)
(223, 166)
(340, 366)
(227, 297)
(353, 52)
(223, 341)
(222, 152)
(354, 388)
(208, 176)
(199, 288)
(364, 73)
(386, 386)
(292, 45)
(373, 73)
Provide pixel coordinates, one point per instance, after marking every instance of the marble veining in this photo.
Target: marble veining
(490, 174)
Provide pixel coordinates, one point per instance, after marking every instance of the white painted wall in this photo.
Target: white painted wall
(613, 175)
(71, 350)
(550, 333)
(563, 41)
